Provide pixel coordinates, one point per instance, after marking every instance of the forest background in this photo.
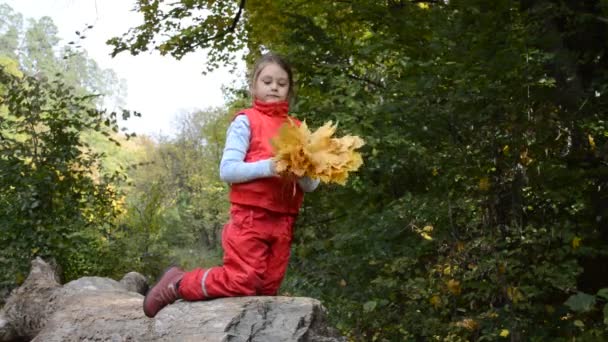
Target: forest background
(481, 211)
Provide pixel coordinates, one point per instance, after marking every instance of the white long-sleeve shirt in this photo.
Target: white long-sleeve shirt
(234, 169)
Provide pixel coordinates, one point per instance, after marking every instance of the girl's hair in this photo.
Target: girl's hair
(269, 58)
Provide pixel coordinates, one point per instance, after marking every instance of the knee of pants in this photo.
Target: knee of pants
(247, 284)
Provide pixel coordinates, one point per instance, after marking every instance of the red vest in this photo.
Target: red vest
(277, 194)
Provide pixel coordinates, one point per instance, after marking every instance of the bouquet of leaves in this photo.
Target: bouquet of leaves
(318, 154)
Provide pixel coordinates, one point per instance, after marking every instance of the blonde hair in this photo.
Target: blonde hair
(270, 58)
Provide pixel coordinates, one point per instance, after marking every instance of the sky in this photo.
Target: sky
(159, 87)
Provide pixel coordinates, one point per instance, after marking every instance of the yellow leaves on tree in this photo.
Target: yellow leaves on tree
(469, 324)
(576, 242)
(454, 287)
(591, 141)
(317, 155)
(435, 301)
(514, 294)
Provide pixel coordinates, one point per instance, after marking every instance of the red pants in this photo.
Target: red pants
(257, 244)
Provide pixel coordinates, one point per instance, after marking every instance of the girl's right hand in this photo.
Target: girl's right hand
(273, 167)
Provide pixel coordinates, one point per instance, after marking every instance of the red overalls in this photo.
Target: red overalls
(257, 238)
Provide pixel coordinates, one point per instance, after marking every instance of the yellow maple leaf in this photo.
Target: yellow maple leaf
(484, 184)
(318, 154)
(514, 294)
(454, 287)
(524, 158)
(591, 141)
(435, 301)
(469, 324)
(447, 270)
(424, 232)
(426, 236)
(576, 242)
(290, 155)
(504, 333)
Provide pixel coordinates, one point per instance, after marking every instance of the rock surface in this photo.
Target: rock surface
(102, 309)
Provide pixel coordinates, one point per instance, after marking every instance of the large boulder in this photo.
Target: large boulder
(102, 309)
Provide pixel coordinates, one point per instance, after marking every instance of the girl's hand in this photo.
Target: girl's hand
(286, 175)
(273, 167)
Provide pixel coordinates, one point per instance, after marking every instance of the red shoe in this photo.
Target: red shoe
(164, 292)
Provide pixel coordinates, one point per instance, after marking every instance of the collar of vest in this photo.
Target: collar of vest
(272, 108)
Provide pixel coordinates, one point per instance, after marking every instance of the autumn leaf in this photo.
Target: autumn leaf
(426, 236)
(514, 294)
(447, 270)
(524, 158)
(484, 184)
(318, 154)
(591, 141)
(469, 324)
(576, 242)
(454, 287)
(424, 232)
(435, 301)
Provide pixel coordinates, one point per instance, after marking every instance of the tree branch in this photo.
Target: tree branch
(238, 16)
(232, 27)
(359, 78)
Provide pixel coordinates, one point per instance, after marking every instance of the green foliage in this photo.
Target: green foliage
(213, 24)
(480, 213)
(580, 302)
(201, 139)
(56, 201)
(175, 204)
(61, 197)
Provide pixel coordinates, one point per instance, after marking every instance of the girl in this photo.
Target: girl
(257, 238)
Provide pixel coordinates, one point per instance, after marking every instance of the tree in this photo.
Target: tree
(57, 201)
(216, 25)
(39, 41)
(176, 205)
(37, 47)
(10, 30)
(201, 137)
(479, 213)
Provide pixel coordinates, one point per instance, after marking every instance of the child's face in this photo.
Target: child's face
(272, 84)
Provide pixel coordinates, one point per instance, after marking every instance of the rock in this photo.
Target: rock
(29, 306)
(135, 282)
(101, 309)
